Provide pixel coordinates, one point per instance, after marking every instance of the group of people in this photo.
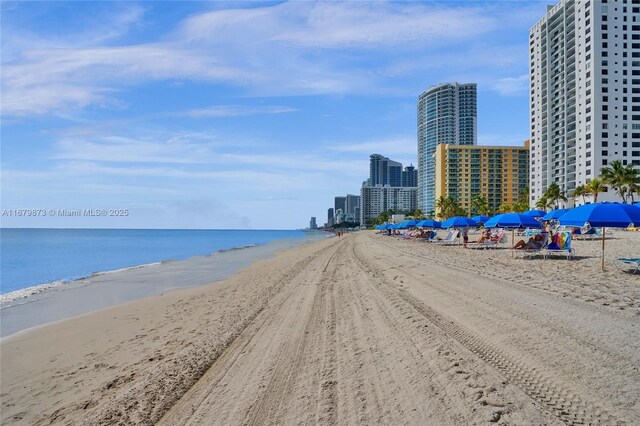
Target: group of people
(538, 241)
(535, 242)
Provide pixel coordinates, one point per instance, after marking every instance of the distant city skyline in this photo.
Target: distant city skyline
(235, 115)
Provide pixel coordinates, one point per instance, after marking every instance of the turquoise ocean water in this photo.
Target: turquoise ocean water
(31, 257)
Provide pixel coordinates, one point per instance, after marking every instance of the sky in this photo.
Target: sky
(220, 115)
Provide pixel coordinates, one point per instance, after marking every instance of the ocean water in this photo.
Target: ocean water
(31, 257)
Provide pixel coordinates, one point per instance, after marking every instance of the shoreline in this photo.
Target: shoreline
(51, 256)
(46, 303)
(358, 329)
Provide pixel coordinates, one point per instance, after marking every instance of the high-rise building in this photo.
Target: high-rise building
(377, 199)
(498, 173)
(352, 201)
(385, 189)
(447, 114)
(312, 223)
(584, 92)
(330, 216)
(339, 204)
(409, 176)
(383, 171)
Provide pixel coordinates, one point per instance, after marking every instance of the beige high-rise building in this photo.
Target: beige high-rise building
(498, 173)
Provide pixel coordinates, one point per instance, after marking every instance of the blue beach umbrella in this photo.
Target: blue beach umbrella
(535, 213)
(602, 215)
(480, 218)
(459, 222)
(554, 214)
(512, 220)
(429, 223)
(407, 224)
(637, 204)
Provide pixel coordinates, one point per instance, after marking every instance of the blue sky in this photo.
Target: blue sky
(232, 114)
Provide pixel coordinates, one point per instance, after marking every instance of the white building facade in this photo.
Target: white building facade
(377, 199)
(584, 93)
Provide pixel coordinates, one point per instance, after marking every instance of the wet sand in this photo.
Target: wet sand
(355, 330)
(44, 304)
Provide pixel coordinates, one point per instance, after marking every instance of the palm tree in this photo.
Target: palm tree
(632, 180)
(479, 204)
(441, 205)
(594, 187)
(580, 191)
(504, 208)
(448, 207)
(553, 194)
(615, 174)
(520, 206)
(523, 197)
(542, 203)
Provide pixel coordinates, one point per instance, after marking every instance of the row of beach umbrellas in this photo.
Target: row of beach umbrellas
(597, 215)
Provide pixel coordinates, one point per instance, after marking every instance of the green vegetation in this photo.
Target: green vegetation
(594, 187)
(479, 205)
(625, 180)
(447, 207)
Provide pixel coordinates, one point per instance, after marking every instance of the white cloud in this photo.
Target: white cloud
(511, 86)
(334, 24)
(124, 149)
(404, 145)
(108, 25)
(197, 150)
(292, 48)
(76, 77)
(235, 111)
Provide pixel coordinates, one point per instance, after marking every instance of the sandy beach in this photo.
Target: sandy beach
(360, 329)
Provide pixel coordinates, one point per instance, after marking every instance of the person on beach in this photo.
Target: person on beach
(465, 237)
(431, 235)
(483, 237)
(534, 243)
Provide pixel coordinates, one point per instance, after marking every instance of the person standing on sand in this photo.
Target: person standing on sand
(465, 237)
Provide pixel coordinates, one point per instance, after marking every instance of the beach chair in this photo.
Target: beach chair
(431, 237)
(634, 262)
(530, 252)
(561, 244)
(488, 243)
(588, 234)
(494, 241)
(449, 239)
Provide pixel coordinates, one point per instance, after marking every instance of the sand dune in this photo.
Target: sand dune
(355, 330)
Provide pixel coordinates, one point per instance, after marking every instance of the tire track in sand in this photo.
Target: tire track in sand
(196, 406)
(566, 405)
(291, 357)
